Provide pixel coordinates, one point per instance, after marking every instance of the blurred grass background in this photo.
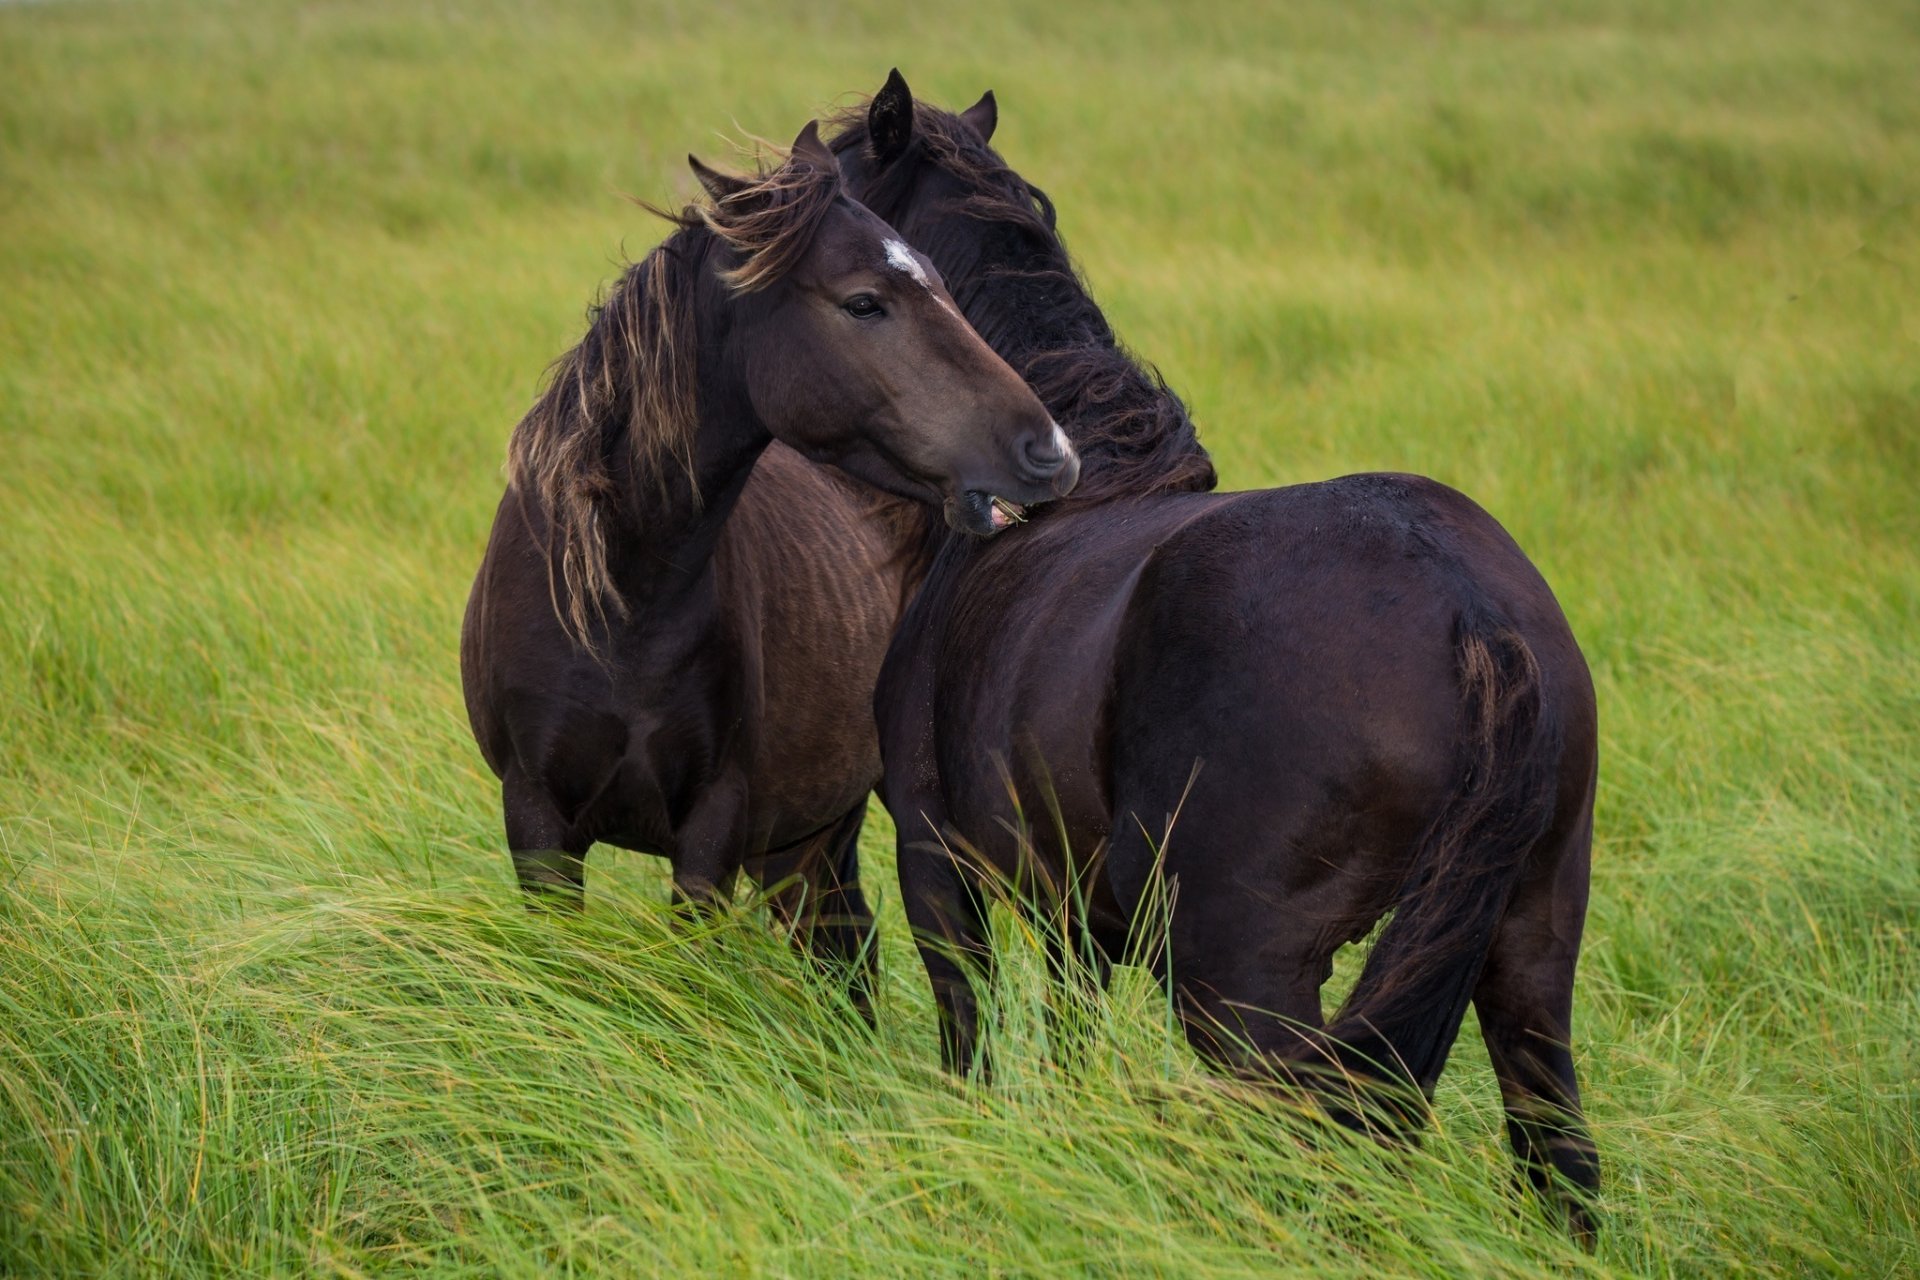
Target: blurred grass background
(275, 282)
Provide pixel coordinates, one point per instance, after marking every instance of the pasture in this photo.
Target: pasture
(275, 283)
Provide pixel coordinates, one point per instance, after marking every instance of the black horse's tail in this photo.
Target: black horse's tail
(1405, 1011)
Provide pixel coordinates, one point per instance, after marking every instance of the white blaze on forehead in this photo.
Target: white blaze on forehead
(902, 257)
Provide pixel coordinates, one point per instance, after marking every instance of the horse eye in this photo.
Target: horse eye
(862, 306)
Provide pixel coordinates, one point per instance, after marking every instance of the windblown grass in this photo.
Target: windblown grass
(274, 283)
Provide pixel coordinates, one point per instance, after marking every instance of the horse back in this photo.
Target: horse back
(1116, 661)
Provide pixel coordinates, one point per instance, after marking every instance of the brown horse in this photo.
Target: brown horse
(662, 656)
(1359, 697)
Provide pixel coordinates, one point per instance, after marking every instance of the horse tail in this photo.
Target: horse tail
(1405, 1011)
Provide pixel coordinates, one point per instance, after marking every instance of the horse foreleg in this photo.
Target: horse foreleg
(949, 923)
(548, 859)
(709, 846)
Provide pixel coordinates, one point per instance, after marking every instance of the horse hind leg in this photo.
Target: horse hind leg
(548, 860)
(815, 892)
(1524, 1000)
(1079, 972)
(844, 938)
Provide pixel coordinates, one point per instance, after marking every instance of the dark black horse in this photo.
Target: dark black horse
(654, 658)
(1359, 697)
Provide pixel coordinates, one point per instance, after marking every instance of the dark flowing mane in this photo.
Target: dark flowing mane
(621, 408)
(1012, 276)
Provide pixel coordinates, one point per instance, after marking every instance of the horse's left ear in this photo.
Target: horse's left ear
(809, 149)
(890, 118)
(720, 186)
(983, 116)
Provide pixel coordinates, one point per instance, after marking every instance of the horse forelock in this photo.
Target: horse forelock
(771, 222)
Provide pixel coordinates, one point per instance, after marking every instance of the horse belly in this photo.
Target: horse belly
(815, 762)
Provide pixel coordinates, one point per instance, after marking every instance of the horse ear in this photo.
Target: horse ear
(890, 118)
(808, 148)
(721, 186)
(983, 116)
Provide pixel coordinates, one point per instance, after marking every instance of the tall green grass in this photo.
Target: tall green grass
(276, 280)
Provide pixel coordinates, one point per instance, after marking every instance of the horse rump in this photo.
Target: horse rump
(1400, 1021)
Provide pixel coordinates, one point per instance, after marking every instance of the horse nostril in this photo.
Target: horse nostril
(1045, 452)
(1044, 461)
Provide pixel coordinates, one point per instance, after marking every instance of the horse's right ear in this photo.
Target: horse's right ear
(983, 115)
(720, 186)
(890, 118)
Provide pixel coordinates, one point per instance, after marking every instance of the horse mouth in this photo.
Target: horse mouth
(983, 514)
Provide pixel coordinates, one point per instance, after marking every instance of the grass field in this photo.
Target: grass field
(276, 281)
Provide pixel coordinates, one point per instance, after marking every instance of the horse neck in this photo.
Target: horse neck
(670, 526)
(1035, 314)
(1133, 434)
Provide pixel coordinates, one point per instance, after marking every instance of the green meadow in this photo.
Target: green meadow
(276, 281)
